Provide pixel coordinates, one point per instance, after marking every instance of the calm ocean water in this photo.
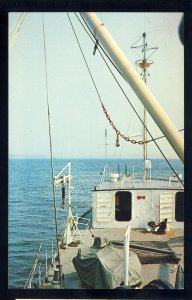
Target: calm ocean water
(31, 202)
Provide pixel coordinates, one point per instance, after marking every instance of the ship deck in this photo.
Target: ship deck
(150, 271)
(131, 184)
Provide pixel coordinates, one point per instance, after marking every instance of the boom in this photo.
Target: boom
(141, 90)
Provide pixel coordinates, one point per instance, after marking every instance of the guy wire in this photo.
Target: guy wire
(51, 154)
(90, 34)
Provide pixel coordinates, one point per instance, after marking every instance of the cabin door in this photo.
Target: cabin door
(123, 206)
(166, 207)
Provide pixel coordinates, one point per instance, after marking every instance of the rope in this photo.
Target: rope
(16, 29)
(118, 132)
(160, 137)
(84, 59)
(103, 107)
(51, 153)
(97, 43)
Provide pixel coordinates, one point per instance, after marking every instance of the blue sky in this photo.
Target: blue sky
(77, 121)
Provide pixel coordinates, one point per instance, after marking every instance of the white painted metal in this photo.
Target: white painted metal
(69, 217)
(46, 266)
(137, 84)
(155, 206)
(71, 226)
(166, 206)
(61, 179)
(68, 165)
(147, 169)
(52, 253)
(173, 178)
(114, 177)
(126, 255)
(104, 208)
(39, 274)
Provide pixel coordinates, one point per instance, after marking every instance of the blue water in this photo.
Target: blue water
(31, 200)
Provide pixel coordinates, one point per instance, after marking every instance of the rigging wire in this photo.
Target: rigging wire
(51, 152)
(94, 40)
(16, 29)
(38, 251)
(112, 72)
(104, 109)
(84, 58)
(160, 137)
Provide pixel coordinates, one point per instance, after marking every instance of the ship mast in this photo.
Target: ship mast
(139, 87)
(144, 64)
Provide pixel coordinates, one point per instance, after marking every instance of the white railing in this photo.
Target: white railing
(59, 179)
(39, 271)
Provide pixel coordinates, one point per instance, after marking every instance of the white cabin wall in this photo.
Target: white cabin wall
(143, 210)
(99, 203)
(171, 223)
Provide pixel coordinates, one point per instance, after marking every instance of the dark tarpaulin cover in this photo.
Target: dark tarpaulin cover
(101, 266)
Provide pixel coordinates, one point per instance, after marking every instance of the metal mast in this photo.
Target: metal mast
(141, 90)
(106, 145)
(144, 64)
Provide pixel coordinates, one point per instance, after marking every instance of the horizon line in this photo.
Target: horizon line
(67, 158)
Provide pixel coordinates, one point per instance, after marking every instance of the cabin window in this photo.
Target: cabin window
(179, 207)
(123, 202)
